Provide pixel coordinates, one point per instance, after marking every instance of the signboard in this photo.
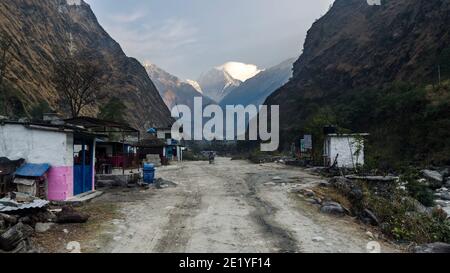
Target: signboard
(307, 142)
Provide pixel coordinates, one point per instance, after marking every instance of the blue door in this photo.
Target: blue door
(83, 166)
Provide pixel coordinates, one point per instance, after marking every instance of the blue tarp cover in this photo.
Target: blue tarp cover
(32, 170)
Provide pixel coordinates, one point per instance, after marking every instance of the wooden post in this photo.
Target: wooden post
(123, 153)
(138, 152)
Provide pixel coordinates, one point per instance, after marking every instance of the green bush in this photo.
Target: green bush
(402, 221)
(419, 191)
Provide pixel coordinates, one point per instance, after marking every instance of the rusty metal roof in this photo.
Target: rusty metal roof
(100, 125)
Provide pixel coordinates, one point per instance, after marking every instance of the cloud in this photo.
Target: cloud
(240, 71)
(128, 18)
(144, 40)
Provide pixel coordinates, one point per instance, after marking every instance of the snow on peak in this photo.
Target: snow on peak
(240, 71)
(196, 85)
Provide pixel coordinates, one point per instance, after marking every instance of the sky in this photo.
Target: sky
(188, 37)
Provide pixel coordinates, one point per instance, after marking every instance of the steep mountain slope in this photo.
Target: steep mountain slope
(352, 59)
(217, 83)
(196, 85)
(172, 89)
(257, 89)
(45, 30)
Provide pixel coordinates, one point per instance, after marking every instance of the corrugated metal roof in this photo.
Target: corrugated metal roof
(32, 170)
(9, 205)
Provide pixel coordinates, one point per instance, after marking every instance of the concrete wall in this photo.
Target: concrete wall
(36, 146)
(346, 147)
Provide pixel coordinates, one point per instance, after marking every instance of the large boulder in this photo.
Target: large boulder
(43, 227)
(369, 217)
(14, 236)
(443, 196)
(434, 178)
(447, 182)
(9, 219)
(332, 208)
(69, 215)
(433, 248)
(342, 184)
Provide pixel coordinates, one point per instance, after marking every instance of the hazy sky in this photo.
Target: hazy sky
(188, 37)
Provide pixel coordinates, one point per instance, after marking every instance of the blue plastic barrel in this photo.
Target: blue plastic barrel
(149, 173)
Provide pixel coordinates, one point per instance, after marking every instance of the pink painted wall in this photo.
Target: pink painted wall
(60, 183)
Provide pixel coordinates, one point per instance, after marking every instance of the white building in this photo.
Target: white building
(68, 150)
(346, 150)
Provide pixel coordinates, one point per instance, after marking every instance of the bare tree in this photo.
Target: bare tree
(79, 80)
(5, 60)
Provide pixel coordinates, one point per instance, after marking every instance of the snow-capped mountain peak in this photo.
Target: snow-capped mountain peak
(240, 71)
(196, 85)
(217, 83)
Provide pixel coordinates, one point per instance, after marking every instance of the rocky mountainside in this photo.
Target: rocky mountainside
(173, 90)
(255, 90)
(367, 68)
(45, 30)
(217, 83)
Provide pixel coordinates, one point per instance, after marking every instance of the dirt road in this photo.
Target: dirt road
(231, 206)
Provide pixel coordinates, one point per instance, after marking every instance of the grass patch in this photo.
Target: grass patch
(87, 234)
(401, 216)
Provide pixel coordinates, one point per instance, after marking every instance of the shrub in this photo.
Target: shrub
(418, 190)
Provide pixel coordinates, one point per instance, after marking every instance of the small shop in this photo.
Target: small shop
(66, 152)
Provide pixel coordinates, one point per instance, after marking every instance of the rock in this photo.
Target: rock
(308, 193)
(331, 203)
(295, 190)
(356, 194)
(338, 180)
(445, 172)
(447, 183)
(370, 235)
(69, 216)
(318, 239)
(442, 203)
(433, 248)
(25, 220)
(434, 178)
(446, 210)
(15, 235)
(3, 225)
(9, 219)
(332, 208)
(66, 231)
(445, 196)
(419, 207)
(44, 216)
(312, 201)
(348, 188)
(370, 218)
(43, 227)
(277, 178)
